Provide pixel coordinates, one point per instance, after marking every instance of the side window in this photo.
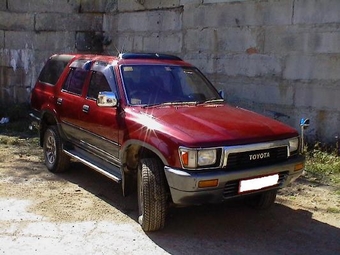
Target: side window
(75, 80)
(53, 69)
(98, 84)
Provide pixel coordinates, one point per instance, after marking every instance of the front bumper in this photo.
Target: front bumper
(184, 185)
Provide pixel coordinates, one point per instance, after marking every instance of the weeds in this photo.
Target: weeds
(323, 164)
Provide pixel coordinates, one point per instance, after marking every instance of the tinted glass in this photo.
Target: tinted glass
(159, 84)
(98, 84)
(53, 69)
(75, 81)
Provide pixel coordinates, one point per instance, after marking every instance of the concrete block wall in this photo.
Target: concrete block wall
(277, 57)
(31, 31)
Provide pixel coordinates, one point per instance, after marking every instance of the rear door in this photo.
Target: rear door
(70, 100)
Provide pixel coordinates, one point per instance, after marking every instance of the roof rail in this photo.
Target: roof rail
(148, 56)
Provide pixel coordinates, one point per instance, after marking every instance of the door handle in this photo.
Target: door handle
(59, 101)
(86, 108)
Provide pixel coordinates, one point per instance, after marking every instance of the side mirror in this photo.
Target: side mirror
(107, 99)
(304, 123)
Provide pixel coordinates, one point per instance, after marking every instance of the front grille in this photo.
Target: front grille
(231, 188)
(249, 159)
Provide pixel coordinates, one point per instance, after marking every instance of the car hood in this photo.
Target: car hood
(212, 124)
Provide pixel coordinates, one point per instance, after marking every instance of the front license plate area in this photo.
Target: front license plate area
(258, 183)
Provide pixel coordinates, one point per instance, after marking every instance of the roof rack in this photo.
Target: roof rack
(148, 56)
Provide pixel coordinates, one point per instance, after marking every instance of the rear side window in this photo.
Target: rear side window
(75, 81)
(53, 69)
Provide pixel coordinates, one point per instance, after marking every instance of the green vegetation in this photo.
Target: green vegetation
(323, 165)
(333, 210)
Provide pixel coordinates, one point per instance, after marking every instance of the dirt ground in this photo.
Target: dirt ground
(82, 212)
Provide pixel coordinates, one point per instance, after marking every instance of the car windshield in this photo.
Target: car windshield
(159, 84)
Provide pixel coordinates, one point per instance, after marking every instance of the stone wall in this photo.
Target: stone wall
(277, 57)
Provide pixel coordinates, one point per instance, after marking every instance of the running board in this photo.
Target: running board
(111, 171)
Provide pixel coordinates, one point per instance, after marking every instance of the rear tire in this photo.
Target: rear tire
(263, 201)
(55, 159)
(152, 195)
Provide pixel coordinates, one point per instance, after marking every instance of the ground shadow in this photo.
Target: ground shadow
(230, 228)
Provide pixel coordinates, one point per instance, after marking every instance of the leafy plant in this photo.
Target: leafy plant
(323, 163)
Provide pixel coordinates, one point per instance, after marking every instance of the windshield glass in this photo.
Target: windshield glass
(158, 84)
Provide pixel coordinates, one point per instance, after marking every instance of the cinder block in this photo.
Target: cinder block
(68, 22)
(41, 6)
(310, 67)
(317, 95)
(16, 40)
(316, 12)
(238, 14)
(57, 41)
(205, 61)
(249, 65)
(137, 5)
(2, 39)
(221, 1)
(16, 21)
(3, 5)
(98, 6)
(18, 59)
(188, 2)
(238, 40)
(200, 39)
(264, 91)
(162, 43)
(284, 39)
(324, 124)
(288, 39)
(60, 41)
(130, 42)
(150, 21)
(110, 23)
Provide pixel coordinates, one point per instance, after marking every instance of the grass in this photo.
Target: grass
(323, 164)
(333, 210)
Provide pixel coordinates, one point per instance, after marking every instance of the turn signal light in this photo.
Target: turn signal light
(298, 167)
(208, 183)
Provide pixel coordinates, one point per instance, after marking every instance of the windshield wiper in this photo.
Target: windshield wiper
(168, 104)
(216, 100)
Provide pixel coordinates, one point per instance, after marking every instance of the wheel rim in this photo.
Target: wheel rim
(140, 196)
(50, 149)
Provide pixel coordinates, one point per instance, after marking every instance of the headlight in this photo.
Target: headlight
(206, 157)
(293, 144)
(191, 158)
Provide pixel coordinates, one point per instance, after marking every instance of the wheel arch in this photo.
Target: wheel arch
(48, 118)
(131, 153)
(142, 148)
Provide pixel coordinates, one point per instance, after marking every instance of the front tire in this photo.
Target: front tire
(55, 159)
(152, 195)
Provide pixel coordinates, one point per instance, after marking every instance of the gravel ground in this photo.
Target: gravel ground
(82, 212)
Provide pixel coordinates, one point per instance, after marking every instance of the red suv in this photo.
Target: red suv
(154, 123)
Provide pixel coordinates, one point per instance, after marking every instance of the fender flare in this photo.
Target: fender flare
(145, 145)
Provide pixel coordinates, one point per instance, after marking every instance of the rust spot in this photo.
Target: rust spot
(252, 50)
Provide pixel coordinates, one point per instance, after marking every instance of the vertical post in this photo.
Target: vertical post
(304, 123)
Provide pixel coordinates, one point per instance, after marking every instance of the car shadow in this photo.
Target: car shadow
(230, 228)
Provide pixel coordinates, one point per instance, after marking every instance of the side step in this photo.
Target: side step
(109, 170)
